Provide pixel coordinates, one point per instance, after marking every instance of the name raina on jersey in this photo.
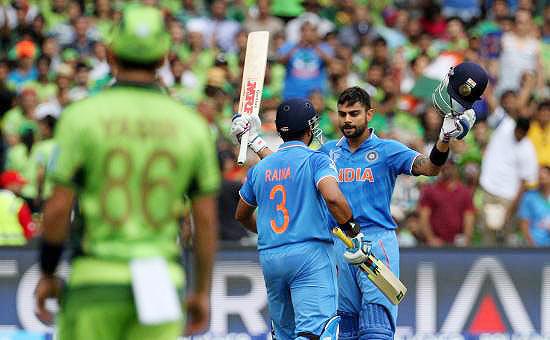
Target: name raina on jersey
(344, 175)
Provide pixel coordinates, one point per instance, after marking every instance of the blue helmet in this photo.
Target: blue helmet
(296, 115)
(461, 87)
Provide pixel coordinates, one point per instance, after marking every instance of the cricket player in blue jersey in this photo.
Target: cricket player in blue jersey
(367, 169)
(292, 189)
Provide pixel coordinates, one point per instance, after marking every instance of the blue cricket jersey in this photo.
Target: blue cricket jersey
(367, 176)
(284, 188)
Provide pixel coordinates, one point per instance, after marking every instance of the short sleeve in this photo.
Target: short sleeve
(207, 176)
(524, 209)
(400, 158)
(247, 190)
(69, 150)
(322, 166)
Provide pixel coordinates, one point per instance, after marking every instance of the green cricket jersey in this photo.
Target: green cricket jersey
(132, 153)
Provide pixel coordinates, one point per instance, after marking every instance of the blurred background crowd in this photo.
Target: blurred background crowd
(493, 192)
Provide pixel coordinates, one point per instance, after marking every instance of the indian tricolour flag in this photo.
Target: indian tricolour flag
(434, 72)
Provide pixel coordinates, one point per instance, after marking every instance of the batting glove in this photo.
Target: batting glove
(251, 123)
(457, 126)
(360, 251)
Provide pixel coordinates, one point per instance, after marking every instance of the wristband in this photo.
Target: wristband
(350, 228)
(257, 144)
(437, 157)
(49, 256)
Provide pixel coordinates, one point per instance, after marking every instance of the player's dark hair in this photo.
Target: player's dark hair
(132, 65)
(354, 95)
(294, 135)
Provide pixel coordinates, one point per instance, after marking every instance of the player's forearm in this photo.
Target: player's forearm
(57, 212)
(431, 165)
(335, 200)
(205, 242)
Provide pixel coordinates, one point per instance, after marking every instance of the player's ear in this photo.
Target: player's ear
(370, 113)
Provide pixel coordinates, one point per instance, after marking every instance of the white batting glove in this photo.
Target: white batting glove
(360, 251)
(457, 127)
(251, 123)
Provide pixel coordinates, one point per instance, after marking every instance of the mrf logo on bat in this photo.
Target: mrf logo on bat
(251, 95)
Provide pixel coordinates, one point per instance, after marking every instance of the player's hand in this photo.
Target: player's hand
(251, 123)
(457, 126)
(360, 251)
(48, 287)
(198, 310)
(243, 123)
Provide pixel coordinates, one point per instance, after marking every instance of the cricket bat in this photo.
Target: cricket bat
(255, 62)
(378, 273)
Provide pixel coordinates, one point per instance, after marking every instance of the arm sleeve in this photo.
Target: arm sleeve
(400, 158)
(206, 177)
(69, 150)
(322, 167)
(247, 190)
(25, 219)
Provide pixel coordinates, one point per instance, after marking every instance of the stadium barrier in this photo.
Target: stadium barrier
(453, 293)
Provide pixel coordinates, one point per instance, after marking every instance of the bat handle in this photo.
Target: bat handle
(243, 149)
(340, 234)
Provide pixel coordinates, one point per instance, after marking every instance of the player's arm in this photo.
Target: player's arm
(430, 165)
(247, 204)
(65, 163)
(204, 240)
(245, 215)
(336, 203)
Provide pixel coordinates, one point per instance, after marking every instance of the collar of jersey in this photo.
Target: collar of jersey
(343, 142)
(292, 144)
(126, 83)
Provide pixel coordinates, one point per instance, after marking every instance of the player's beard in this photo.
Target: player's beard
(353, 131)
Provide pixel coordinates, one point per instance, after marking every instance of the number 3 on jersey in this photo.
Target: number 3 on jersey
(281, 206)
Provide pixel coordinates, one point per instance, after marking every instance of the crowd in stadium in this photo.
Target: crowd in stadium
(494, 190)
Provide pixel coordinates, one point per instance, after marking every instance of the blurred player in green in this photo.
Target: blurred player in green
(130, 154)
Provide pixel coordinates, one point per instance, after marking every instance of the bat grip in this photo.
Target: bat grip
(243, 149)
(340, 234)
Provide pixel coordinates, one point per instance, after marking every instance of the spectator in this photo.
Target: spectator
(20, 115)
(218, 30)
(509, 166)
(264, 21)
(43, 85)
(25, 52)
(520, 53)
(82, 76)
(447, 210)
(306, 63)
(539, 133)
(534, 212)
(16, 225)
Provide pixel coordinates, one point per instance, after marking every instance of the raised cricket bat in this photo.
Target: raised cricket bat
(378, 273)
(255, 62)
